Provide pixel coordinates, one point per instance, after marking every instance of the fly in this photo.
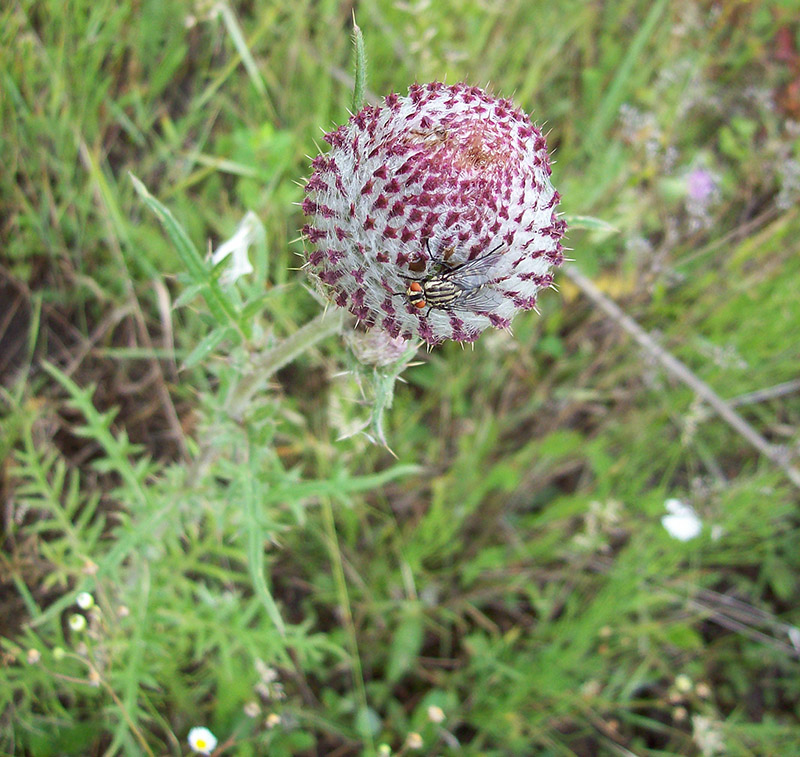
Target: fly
(456, 288)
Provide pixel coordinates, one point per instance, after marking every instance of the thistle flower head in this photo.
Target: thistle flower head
(433, 215)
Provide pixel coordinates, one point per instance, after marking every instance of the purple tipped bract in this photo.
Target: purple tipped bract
(447, 187)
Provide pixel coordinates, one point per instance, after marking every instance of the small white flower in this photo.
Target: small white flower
(84, 600)
(201, 740)
(682, 523)
(273, 719)
(414, 741)
(708, 736)
(384, 750)
(33, 656)
(266, 673)
(794, 637)
(77, 622)
(248, 231)
(703, 690)
(683, 683)
(591, 688)
(435, 714)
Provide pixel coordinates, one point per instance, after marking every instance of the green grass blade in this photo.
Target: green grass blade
(255, 548)
(617, 91)
(218, 303)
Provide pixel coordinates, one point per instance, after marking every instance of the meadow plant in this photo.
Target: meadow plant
(264, 589)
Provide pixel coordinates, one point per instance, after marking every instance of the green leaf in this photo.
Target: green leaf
(684, 637)
(383, 382)
(406, 644)
(368, 722)
(237, 36)
(219, 303)
(256, 539)
(207, 345)
(590, 223)
(360, 83)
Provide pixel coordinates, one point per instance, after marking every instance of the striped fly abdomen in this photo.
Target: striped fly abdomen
(440, 292)
(452, 288)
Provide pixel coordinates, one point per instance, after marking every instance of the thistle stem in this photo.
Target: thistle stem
(264, 365)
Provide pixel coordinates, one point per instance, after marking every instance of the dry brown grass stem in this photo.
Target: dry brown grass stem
(677, 369)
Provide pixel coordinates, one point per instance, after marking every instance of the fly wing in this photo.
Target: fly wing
(483, 300)
(475, 273)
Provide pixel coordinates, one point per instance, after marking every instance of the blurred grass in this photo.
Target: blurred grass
(519, 578)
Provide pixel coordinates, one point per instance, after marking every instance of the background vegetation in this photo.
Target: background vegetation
(302, 593)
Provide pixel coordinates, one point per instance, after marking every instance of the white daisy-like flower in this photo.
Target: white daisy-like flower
(201, 740)
(247, 232)
(433, 215)
(435, 714)
(682, 523)
(84, 600)
(77, 622)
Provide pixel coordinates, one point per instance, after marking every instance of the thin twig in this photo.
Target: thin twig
(762, 395)
(681, 372)
(726, 611)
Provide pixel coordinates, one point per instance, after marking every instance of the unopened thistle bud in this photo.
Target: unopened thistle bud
(433, 215)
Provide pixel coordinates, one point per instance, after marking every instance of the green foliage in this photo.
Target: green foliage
(186, 448)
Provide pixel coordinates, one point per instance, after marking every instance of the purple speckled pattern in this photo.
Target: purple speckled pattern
(420, 185)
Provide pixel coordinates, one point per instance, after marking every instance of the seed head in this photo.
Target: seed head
(433, 215)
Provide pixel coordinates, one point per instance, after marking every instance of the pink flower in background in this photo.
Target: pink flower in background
(433, 215)
(700, 185)
(702, 194)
